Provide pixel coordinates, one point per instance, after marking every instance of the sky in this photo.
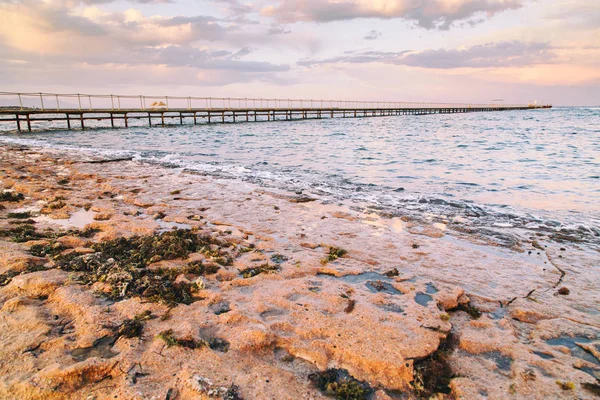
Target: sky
(390, 50)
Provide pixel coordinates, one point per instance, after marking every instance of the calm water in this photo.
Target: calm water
(538, 168)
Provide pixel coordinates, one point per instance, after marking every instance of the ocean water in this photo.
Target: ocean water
(502, 173)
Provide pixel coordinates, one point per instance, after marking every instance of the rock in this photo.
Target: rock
(102, 216)
(564, 291)
(71, 241)
(450, 299)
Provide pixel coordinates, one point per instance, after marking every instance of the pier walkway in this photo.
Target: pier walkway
(32, 111)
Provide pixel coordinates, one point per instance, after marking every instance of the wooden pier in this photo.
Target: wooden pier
(26, 115)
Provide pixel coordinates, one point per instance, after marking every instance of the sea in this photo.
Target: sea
(507, 176)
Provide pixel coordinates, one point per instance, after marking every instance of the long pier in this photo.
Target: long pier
(25, 111)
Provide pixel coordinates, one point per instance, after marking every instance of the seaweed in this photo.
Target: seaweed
(19, 215)
(432, 374)
(263, 268)
(130, 328)
(122, 264)
(279, 258)
(218, 344)
(12, 197)
(469, 309)
(47, 250)
(333, 253)
(134, 327)
(188, 343)
(28, 221)
(232, 393)
(350, 307)
(339, 384)
(593, 388)
(214, 253)
(55, 205)
(6, 277)
(22, 233)
(198, 268)
(391, 273)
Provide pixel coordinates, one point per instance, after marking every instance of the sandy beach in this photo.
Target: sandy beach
(125, 280)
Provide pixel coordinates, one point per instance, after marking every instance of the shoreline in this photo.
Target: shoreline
(400, 306)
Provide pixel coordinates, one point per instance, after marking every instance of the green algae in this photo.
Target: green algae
(22, 233)
(469, 309)
(339, 384)
(433, 373)
(170, 340)
(19, 215)
(12, 197)
(7, 277)
(333, 253)
(122, 265)
(566, 385)
(263, 268)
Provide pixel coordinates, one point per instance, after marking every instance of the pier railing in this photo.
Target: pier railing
(113, 102)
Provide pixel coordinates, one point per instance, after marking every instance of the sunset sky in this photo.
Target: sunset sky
(405, 50)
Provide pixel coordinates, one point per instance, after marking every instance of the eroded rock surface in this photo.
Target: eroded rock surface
(125, 282)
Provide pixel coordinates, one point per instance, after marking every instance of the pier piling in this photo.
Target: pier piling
(224, 109)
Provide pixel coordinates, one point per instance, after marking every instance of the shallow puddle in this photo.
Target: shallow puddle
(545, 356)
(576, 351)
(101, 349)
(422, 299)
(79, 219)
(168, 226)
(375, 282)
(502, 362)
(384, 287)
(430, 289)
(365, 276)
(391, 307)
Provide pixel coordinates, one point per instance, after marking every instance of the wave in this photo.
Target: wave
(499, 223)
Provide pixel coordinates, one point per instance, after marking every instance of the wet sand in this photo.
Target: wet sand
(222, 289)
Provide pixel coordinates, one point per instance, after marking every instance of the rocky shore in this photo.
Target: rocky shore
(122, 280)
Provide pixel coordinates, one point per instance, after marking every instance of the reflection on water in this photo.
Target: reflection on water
(79, 219)
(534, 167)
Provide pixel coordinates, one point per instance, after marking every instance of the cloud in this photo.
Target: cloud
(52, 35)
(490, 55)
(372, 35)
(278, 30)
(429, 14)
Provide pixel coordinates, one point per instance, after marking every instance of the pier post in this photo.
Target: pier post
(209, 117)
(180, 118)
(112, 120)
(68, 121)
(18, 122)
(81, 119)
(162, 118)
(28, 122)
(223, 116)
(195, 122)
(149, 119)
(126, 123)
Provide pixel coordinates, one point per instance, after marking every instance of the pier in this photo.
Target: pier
(25, 111)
